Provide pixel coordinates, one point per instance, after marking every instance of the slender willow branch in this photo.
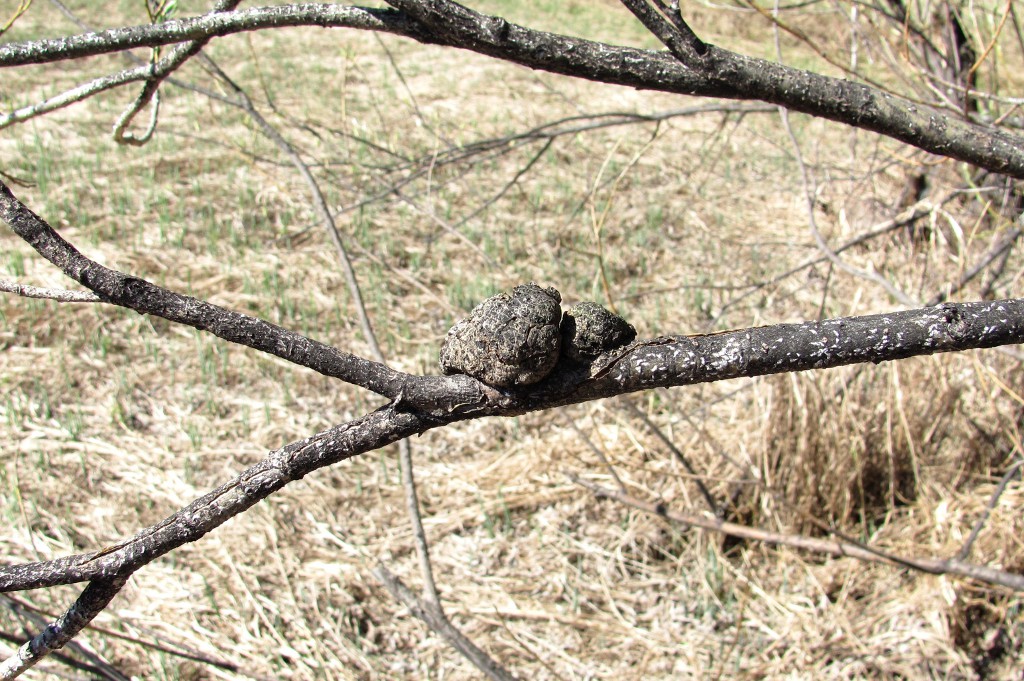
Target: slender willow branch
(831, 547)
(147, 298)
(151, 90)
(92, 602)
(714, 73)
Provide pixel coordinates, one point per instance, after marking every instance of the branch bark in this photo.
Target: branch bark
(146, 298)
(715, 73)
(93, 601)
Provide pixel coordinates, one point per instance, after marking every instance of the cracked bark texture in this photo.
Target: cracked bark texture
(511, 339)
(589, 329)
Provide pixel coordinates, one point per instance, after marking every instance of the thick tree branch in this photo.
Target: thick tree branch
(678, 360)
(721, 74)
(659, 362)
(277, 469)
(781, 348)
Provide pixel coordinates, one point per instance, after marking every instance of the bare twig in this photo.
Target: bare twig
(671, 446)
(151, 90)
(998, 250)
(153, 73)
(965, 551)
(319, 204)
(58, 294)
(836, 548)
(812, 223)
(905, 217)
(437, 621)
(597, 451)
(667, 24)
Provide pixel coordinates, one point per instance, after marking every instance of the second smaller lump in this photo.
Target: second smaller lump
(589, 329)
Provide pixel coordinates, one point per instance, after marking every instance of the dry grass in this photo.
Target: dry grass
(111, 421)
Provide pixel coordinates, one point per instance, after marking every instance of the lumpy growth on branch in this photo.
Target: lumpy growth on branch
(510, 339)
(516, 338)
(589, 329)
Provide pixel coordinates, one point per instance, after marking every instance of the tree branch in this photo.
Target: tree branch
(659, 362)
(147, 298)
(722, 73)
(678, 360)
(151, 90)
(291, 462)
(831, 547)
(93, 600)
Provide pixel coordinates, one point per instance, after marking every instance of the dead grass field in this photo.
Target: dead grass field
(110, 421)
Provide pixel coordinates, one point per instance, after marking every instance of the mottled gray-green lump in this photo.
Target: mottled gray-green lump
(589, 329)
(510, 339)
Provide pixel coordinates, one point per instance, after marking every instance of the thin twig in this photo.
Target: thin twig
(836, 548)
(596, 450)
(437, 621)
(1000, 488)
(1000, 248)
(430, 591)
(151, 90)
(670, 29)
(58, 294)
(152, 73)
(319, 204)
(651, 426)
(812, 223)
(906, 217)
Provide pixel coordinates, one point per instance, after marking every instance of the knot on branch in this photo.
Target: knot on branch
(508, 340)
(516, 338)
(588, 329)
